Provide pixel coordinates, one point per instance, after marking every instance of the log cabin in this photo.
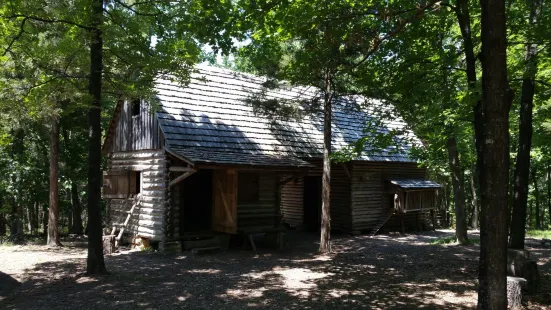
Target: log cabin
(202, 161)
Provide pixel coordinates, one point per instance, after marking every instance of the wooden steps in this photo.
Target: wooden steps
(384, 218)
(200, 243)
(122, 226)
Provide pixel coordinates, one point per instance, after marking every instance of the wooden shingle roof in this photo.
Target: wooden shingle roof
(212, 120)
(415, 184)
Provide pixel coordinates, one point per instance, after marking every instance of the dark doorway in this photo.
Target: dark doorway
(196, 202)
(312, 203)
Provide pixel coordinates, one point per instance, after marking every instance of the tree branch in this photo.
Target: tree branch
(47, 20)
(377, 42)
(19, 34)
(130, 8)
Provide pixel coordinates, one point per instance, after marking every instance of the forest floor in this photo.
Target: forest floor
(389, 271)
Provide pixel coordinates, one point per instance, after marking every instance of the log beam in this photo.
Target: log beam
(181, 169)
(181, 178)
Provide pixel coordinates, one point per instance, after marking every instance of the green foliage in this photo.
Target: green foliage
(539, 234)
(44, 70)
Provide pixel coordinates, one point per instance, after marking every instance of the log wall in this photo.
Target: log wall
(292, 198)
(139, 132)
(369, 197)
(264, 212)
(148, 220)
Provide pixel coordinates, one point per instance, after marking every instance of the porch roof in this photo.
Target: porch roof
(198, 155)
(415, 184)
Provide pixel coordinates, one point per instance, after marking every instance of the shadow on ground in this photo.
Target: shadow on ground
(385, 272)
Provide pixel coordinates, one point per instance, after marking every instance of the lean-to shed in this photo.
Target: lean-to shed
(203, 159)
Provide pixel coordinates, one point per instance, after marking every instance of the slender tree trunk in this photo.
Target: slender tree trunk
(530, 216)
(95, 263)
(493, 141)
(475, 203)
(522, 167)
(44, 222)
(2, 225)
(29, 220)
(77, 211)
(464, 20)
(458, 182)
(325, 239)
(537, 198)
(549, 190)
(53, 210)
(36, 218)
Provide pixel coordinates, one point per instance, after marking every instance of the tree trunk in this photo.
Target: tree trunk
(475, 204)
(53, 210)
(325, 239)
(36, 218)
(530, 216)
(492, 136)
(76, 228)
(537, 198)
(522, 167)
(95, 263)
(44, 222)
(2, 225)
(29, 220)
(458, 182)
(549, 190)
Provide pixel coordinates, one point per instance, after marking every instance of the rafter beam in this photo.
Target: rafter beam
(181, 178)
(180, 169)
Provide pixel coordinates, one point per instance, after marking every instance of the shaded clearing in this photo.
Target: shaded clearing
(385, 272)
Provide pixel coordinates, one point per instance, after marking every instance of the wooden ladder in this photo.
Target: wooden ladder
(128, 216)
(384, 218)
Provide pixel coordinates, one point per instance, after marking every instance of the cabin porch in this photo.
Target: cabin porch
(231, 203)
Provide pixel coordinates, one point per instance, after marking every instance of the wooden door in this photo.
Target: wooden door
(116, 184)
(224, 213)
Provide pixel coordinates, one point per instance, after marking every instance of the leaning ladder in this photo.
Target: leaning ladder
(389, 213)
(128, 216)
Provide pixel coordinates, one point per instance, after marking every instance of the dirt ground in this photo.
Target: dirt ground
(382, 272)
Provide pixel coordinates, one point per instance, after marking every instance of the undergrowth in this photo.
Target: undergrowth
(449, 240)
(540, 234)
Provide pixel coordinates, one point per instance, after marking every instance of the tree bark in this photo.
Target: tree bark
(537, 198)
(549, 190)
(36, 218)
(53, 207)
(76, 228)
(29, 219)
(492, 135)
(44, 221)
(325, 238)
(521, 175)
(475, 203)
(95, 263)
(464, 20)
(458, 182)
(530, 212)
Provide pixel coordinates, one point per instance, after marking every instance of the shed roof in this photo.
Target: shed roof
(415, 184)
(206, 156)
(212, 120)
